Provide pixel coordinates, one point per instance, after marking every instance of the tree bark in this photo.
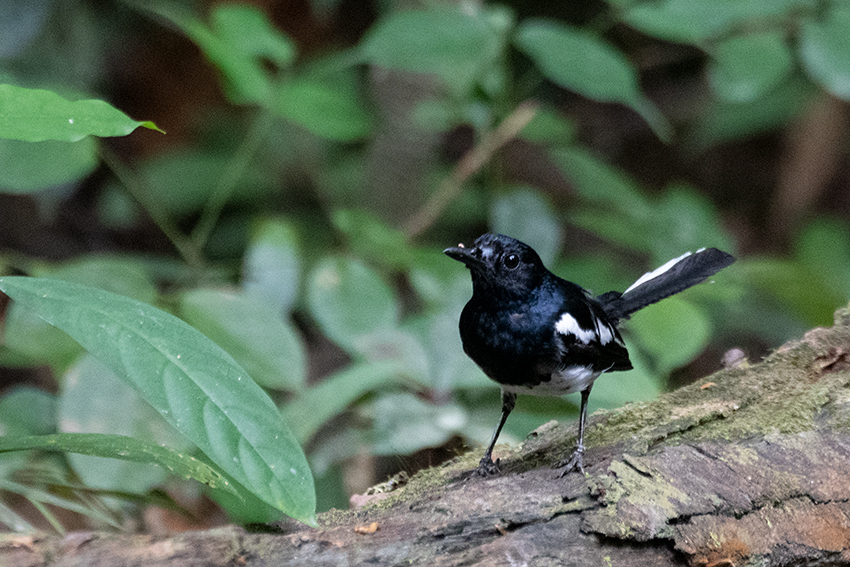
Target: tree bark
(748, 467)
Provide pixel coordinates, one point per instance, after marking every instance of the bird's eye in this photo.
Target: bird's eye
(511, 261)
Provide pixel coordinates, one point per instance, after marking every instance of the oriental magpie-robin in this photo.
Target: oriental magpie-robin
(535, 333)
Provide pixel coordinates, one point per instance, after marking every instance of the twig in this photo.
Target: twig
(469, 164)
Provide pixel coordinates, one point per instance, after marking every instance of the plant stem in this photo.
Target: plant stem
(232, 174)
(136, 186)
(469, 164)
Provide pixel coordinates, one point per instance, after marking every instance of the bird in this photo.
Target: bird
(535, 333)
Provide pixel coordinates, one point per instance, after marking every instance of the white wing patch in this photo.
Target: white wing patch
(658, 271)
(605, 334)
(567, 325)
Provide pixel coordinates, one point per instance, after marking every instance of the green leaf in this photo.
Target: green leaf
(43, 343)
(331, 109)
(247, 30)
(93, 399)
(550, 128)
(579, 61)
(271, 267)
(29, 166)
(677, 221)
(349, 300)
(685, 21)
(312, 408)
(458, 46)
(35, 115)
(239, 42)
(601, 183)
(252, 332)
(672, 332)
(524, 214)
(825, 50)
(745, 67)
(194, 384)
(117, 447)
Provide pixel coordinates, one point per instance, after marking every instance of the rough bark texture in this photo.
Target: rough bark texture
(749, 467)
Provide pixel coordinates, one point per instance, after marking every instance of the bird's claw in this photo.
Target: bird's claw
(487, 468)
(574, 463)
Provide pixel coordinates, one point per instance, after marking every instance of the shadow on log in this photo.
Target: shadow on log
(750, 466)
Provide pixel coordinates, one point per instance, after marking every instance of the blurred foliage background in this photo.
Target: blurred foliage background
(321, 153)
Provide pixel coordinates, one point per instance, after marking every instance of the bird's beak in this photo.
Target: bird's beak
(463, 254)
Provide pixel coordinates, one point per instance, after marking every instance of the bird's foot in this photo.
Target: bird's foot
(574, 463)
(487, 468)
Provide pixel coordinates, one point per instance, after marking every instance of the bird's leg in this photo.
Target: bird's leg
(576, 461)
(486, 467)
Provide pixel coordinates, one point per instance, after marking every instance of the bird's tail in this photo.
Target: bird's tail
(676, 275)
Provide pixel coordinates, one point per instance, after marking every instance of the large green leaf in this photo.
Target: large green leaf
(824, 247)
(35, 115)
(582, 62)
(794, 286)
(117, 447)
(601, 183)
(194, 384)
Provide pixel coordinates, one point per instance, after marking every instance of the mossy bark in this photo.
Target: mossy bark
(750, 466)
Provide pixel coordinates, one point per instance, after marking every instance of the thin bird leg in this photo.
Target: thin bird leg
(486, 467)
(576, 462)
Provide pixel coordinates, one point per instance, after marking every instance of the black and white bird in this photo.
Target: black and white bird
(535, 333)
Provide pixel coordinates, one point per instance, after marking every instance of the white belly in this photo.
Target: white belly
(570, 379)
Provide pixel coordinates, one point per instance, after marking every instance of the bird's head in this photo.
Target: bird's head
(501, 264)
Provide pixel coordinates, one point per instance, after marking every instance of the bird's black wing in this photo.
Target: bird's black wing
(586, 336)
